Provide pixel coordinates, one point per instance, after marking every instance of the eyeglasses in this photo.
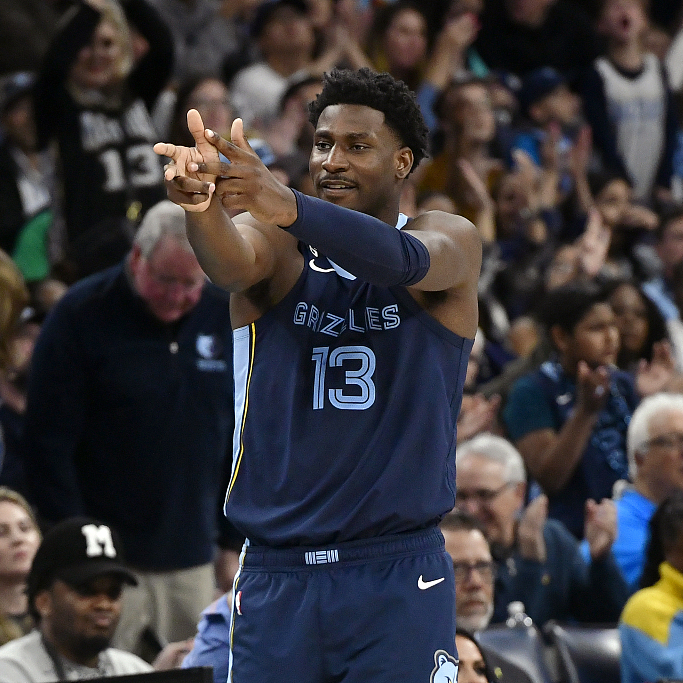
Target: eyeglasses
(170, 282)
(482, 496)
(462, 570)
(669, 441)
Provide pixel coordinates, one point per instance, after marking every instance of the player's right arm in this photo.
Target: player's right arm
(235, 254)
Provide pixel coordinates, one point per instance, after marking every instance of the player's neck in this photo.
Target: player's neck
(388, 215)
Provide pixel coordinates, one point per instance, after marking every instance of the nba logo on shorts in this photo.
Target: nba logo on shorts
(445, 668)
(238, 602)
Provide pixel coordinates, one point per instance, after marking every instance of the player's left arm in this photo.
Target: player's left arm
(454, 247)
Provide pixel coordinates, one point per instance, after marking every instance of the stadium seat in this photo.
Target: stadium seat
(586, 654)
(521, 645)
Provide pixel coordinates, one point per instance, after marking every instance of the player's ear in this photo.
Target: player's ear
(404, 162)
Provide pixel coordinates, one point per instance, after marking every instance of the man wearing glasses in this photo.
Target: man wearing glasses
(130, 419)
(538, 562)
(473, 568)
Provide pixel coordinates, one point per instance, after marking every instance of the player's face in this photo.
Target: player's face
(472, 668)
(473, 567)
(81, 621)
(170, 280)
(595, 339)
(19, 540)
(483, 491)
(357, 161)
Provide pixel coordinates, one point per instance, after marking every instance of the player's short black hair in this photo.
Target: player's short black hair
(382, 92)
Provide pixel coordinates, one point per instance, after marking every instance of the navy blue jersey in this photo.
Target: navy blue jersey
(346, 400)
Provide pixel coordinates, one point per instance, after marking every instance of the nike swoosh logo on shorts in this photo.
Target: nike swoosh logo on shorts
(424, 585)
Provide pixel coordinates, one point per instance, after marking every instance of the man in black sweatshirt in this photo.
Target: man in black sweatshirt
(130, 417)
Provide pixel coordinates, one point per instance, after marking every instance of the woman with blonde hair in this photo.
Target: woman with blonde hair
(19, 541)
(93, 96)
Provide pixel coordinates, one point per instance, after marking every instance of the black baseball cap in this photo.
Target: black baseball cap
(75, 551)
(266, 10)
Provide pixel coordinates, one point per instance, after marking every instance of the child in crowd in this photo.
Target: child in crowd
(553, 113)
(626, 225)
(629, 105)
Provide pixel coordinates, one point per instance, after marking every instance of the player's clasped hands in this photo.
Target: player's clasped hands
(196, 174)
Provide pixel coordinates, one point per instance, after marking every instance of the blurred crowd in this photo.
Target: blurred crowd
(556, 127)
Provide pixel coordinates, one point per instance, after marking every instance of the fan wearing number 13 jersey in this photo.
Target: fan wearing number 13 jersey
(92, 100)
(352, 329)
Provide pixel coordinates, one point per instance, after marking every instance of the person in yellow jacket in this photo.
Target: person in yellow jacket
(651, 625)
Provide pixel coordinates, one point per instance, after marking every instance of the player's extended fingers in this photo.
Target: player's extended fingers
(192, 185)
(238, 137)
(171, 171)
(218, 168)
(196, 128)
(166, 149)
(232, 151)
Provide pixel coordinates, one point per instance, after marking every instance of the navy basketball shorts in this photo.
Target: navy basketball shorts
(371, 611)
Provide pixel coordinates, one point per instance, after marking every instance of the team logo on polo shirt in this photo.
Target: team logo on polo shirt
(445, 668)
(209, 348)
(208, 345)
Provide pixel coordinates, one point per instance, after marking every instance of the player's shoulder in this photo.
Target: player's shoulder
(453, 227)
(444, 219)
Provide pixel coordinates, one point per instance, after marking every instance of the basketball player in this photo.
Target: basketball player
(351, 345)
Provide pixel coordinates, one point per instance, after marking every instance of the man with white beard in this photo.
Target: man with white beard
(473, 568)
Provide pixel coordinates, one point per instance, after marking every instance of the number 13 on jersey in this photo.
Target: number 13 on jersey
(360, 377)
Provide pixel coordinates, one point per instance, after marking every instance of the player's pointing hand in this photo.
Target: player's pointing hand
(189, 189)
(245, 183)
